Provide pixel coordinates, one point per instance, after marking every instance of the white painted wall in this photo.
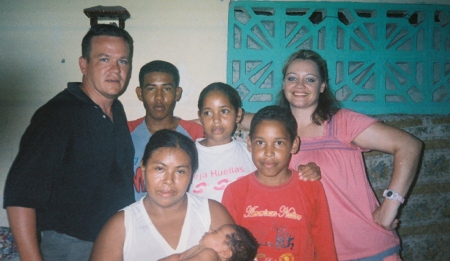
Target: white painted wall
(40, 42)
(36, 36)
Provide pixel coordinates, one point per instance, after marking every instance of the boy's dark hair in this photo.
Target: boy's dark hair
(105, 30)
(276, 113)
(327, 105)
(159, 66)
(171, 139)
(227, 90)
(242, 244)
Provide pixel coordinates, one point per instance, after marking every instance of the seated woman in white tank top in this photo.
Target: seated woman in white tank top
(167, 220)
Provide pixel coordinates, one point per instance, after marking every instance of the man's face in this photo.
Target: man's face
(159, 94)
(108, 71)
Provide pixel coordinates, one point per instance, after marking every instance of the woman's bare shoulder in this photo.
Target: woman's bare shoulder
(219, 214)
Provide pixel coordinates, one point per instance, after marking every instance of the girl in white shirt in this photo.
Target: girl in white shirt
(223, 159)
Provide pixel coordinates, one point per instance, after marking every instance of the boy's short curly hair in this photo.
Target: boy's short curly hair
(242, 243)
(275, 113)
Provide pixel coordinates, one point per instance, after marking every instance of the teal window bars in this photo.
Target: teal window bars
(382, 58)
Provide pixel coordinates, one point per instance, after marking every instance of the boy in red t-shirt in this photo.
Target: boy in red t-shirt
(289, 217)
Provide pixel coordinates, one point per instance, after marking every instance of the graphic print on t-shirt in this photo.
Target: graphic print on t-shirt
(278, 236)
(276, 229)
(204, 178)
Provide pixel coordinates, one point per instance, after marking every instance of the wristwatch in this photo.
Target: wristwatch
(392, 195)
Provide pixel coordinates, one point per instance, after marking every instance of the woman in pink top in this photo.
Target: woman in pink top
(334, 138)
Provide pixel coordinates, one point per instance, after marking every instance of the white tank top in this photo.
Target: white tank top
(144, 242)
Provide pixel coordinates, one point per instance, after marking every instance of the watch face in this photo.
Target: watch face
(389, 193)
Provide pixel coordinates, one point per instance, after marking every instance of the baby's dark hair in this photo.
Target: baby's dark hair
(276, 113)
(159, 66)
(171, 139)
(225, 89)
(242, 243)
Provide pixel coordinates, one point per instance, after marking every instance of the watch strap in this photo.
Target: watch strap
(392, 195)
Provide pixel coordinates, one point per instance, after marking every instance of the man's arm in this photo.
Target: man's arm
(23, 226)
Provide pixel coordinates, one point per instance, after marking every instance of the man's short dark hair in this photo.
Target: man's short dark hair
(276, 113)
(105, 30)
(159, 66)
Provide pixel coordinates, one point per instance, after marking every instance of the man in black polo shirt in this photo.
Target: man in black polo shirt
(74, 168)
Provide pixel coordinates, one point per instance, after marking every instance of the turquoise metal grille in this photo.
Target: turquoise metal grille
(382, 58)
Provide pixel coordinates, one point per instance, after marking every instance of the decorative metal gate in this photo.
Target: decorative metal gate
(382, 58)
